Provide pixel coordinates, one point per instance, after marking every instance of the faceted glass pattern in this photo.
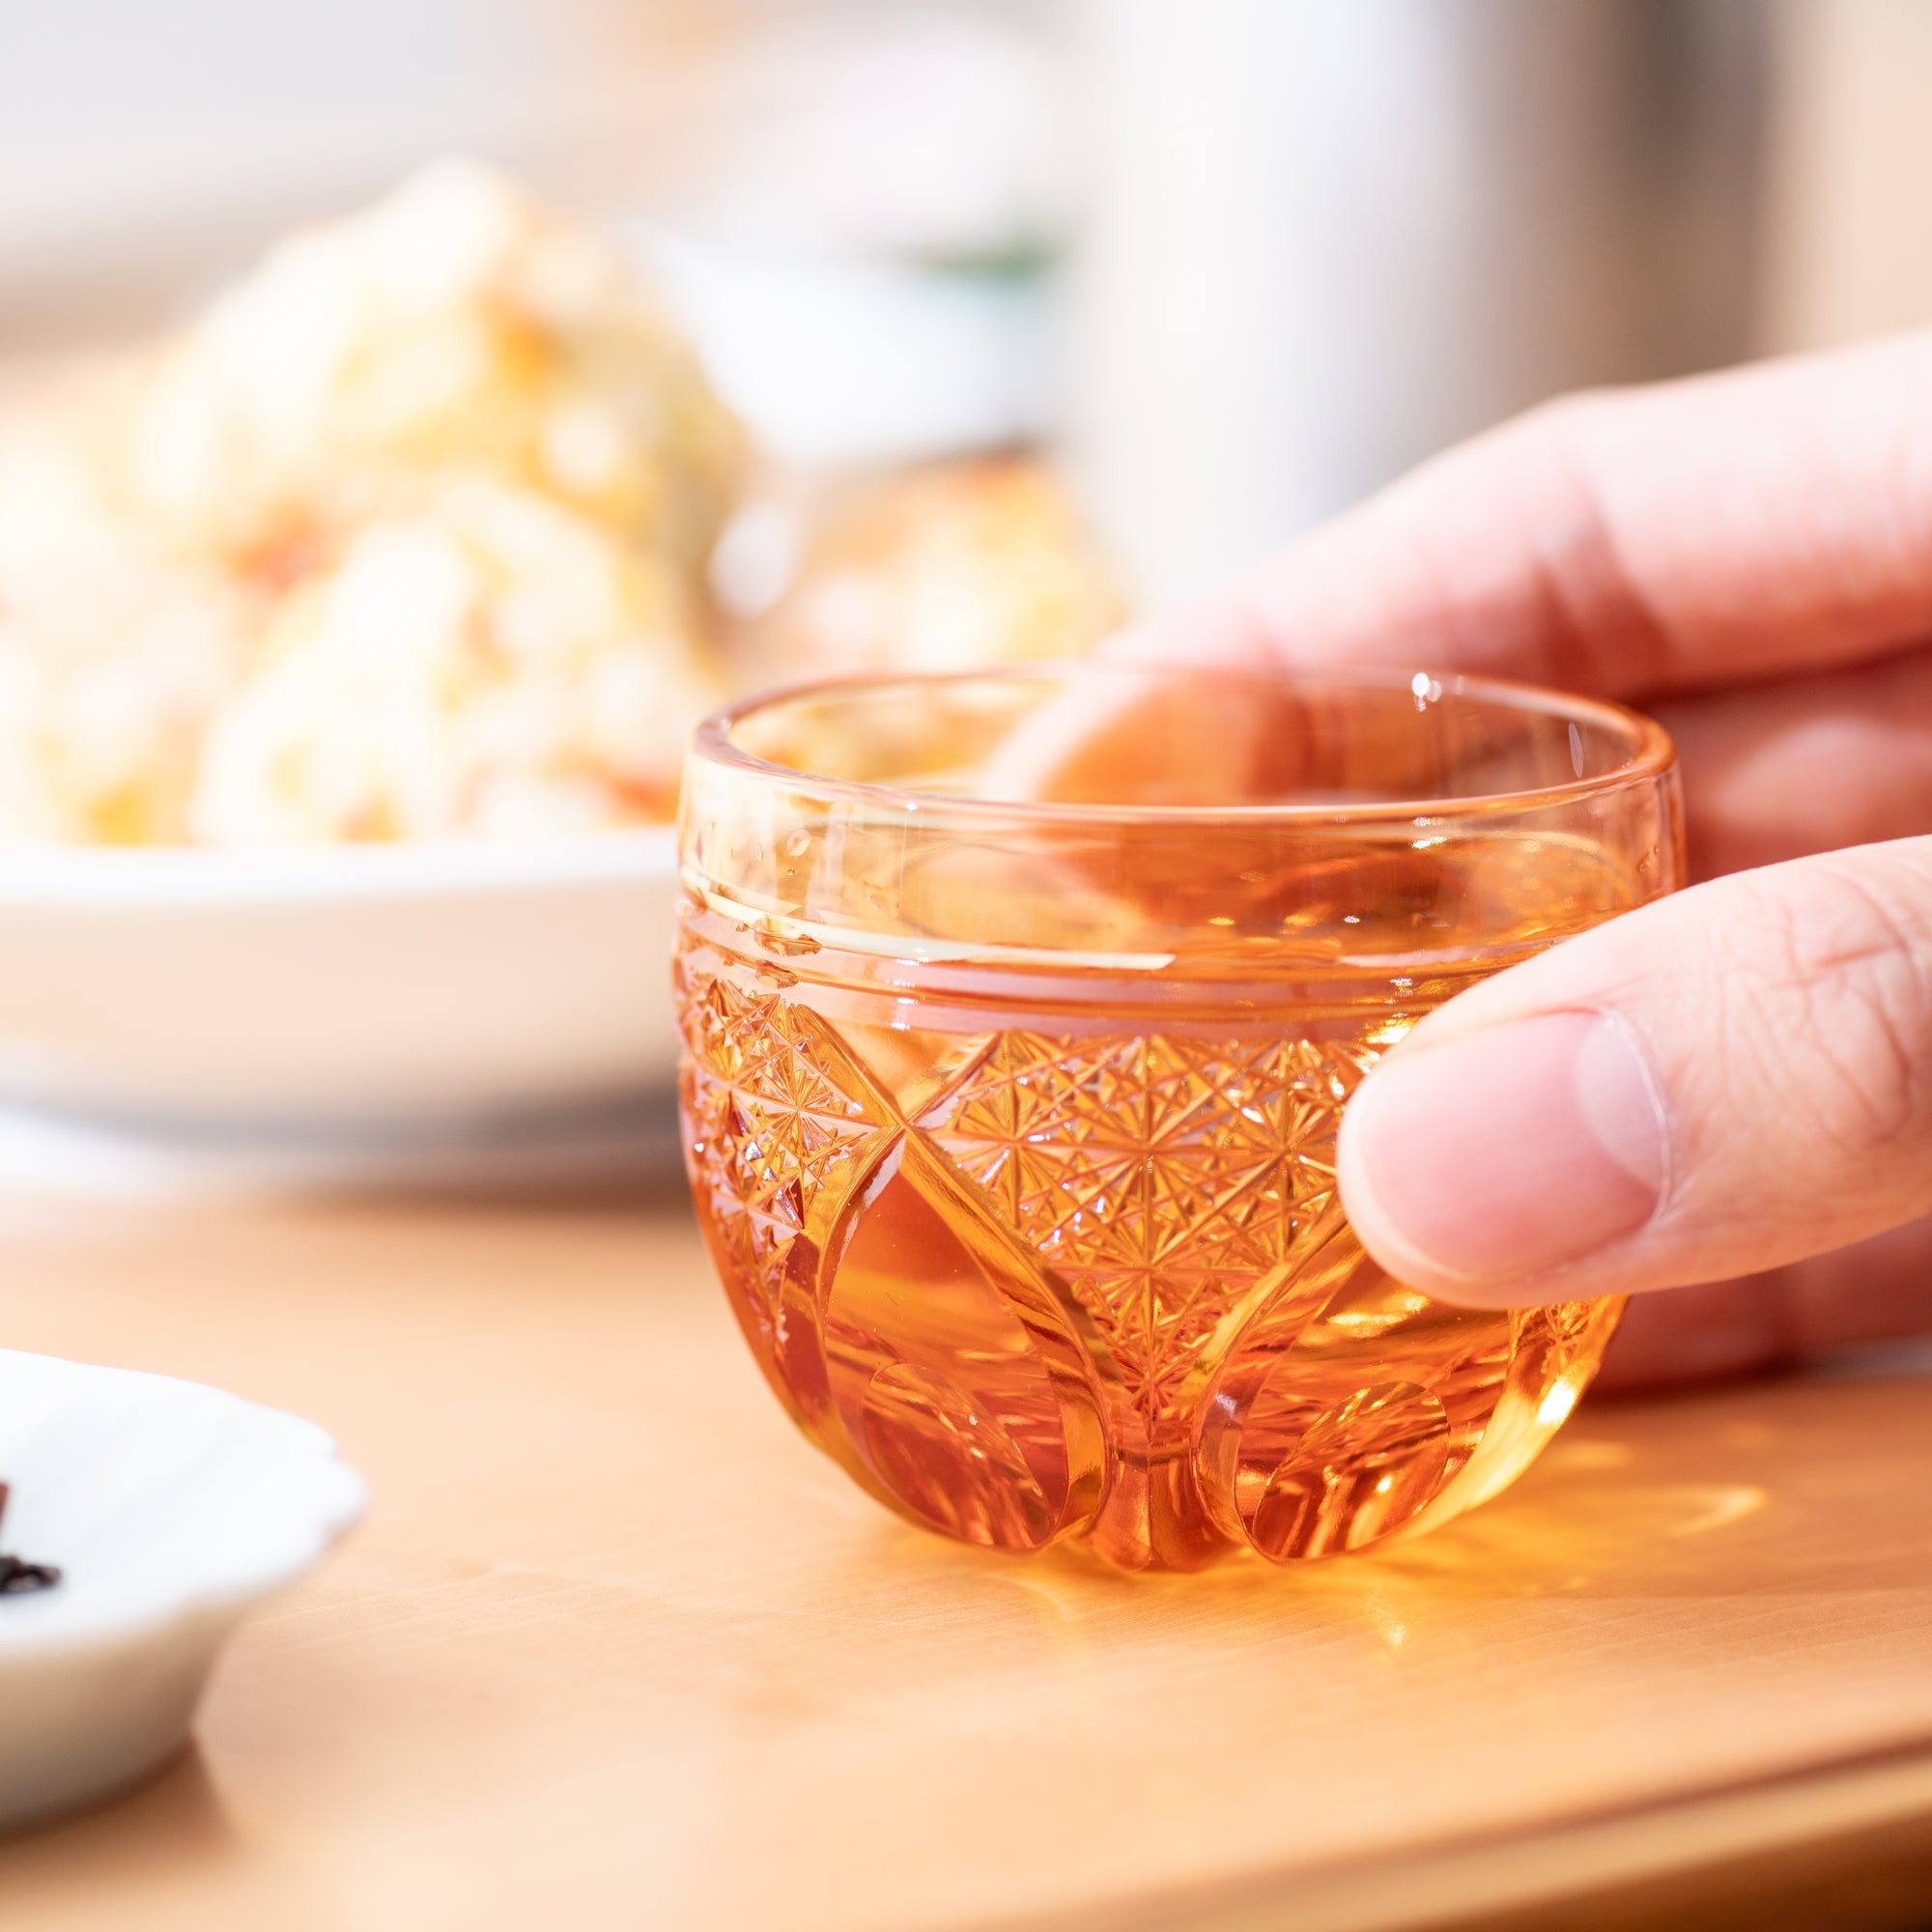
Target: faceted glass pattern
(1046, 1247)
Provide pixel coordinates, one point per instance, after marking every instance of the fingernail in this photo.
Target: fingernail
(1508, 1151)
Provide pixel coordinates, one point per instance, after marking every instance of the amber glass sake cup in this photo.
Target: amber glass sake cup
(1020, 1010)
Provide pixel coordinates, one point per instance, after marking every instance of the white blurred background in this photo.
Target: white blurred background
(1234, 262)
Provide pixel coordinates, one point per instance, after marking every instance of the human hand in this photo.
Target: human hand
(1723, 1092)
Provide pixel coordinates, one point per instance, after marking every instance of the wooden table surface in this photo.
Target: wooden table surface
(615, 1649)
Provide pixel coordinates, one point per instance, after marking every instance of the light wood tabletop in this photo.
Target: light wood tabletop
(616, 1649)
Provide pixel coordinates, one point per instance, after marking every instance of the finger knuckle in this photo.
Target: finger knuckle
(1600, 619)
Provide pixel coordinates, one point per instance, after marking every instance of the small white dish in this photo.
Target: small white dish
(344, 988)
(171, 1510)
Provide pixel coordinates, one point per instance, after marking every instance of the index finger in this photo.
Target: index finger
(1631, 543)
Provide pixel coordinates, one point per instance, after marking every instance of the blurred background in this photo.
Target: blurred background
(395, 577)
(1231, 263)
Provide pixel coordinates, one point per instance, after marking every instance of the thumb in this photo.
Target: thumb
(1729, 1080)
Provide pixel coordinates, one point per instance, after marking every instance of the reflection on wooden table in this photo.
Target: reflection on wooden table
(615, 1648)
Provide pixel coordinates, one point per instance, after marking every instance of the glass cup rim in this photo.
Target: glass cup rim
(1652, 755)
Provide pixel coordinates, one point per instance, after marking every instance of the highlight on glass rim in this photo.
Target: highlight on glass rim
(966, 965)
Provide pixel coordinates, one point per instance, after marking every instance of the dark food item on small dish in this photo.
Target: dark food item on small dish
(18, 1578)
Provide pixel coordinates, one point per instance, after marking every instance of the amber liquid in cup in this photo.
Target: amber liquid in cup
(1011, 1123)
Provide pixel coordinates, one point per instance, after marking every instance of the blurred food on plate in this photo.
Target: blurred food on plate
(493, 663)
(938, 568)
(116, 648)
(404, 536)
(411, 534)
(457, 328)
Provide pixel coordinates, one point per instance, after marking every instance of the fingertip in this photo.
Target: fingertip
(1376, 1227)
(1498, 1160)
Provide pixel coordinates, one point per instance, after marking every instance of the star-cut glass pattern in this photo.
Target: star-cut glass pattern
(1162, 1177)
(776, 1116)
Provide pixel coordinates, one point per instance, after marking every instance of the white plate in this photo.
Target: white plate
(172, 1510)
(357, 987)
